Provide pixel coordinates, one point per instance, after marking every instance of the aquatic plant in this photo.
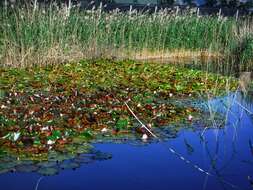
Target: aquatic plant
(51, 107)
(56, 35)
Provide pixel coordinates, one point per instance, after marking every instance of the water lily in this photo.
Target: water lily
(190, 117)
(50, 142)
(31, 112)
(37, 95)
(3, 106)
(44, 128)
(16, 136)
(144, 137)
(104, 130)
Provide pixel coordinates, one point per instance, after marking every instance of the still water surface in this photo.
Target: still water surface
(225, 153)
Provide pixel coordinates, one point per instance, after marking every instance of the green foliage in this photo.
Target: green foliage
(35, 36)
(56, 134)
(50, 113)
(121, 123)
(247, 53)
(86, 134)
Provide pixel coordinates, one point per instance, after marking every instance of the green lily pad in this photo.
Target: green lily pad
(84, 159)
(87, 134)
(121, 123)
(56, 134)
(102, 156)
(5, 170)
(47, 164)
(48, 171)
(26, 168)
(9, 165)
(58, 157)
(69, 165)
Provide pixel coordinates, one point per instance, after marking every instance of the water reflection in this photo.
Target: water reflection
(225, 152)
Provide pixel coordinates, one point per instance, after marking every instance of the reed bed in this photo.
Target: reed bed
(53, 34)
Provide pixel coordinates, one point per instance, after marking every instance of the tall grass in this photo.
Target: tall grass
(64, 34)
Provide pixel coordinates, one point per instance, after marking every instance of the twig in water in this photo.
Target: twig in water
(244, 108)
(38, 182)
(181, 157)
(142, 124)
(173, 151)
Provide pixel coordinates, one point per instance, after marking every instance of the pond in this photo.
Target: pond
(225, 153)
(207, 143)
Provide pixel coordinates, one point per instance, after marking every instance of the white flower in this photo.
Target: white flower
(149, 125)
(31, 112)
(104, 130)
(144, 137)
(190, 117)
(50, 142)
(44, 128)
(36, 95)
(3, 106)
(16, 136)
(170, 94)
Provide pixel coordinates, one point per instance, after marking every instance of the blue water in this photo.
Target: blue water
(225, 153)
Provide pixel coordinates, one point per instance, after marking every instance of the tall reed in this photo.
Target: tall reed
(55, 34)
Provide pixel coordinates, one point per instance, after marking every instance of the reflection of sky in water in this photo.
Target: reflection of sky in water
(153, 167)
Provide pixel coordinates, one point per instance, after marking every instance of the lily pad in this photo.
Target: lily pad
(9, 165)
(82, 159)
(5, 170)
(48, 171)
(26, 168)
(69, 165)
(43, 113)
(121, 123)
(47, 164)
(102, 156)
(58, 157)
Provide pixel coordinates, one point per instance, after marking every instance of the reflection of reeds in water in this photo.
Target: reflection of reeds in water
(245, 80)
(235, 105)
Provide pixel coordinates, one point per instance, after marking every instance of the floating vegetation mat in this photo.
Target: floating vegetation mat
(53, 163)
(59, 110)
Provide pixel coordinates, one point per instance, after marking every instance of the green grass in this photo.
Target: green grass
(54, 35)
